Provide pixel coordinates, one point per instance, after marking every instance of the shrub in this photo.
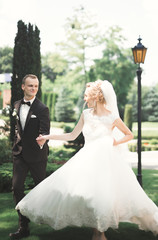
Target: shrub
(154, 141)
(5, 150)
(57, 157)
(132, 147)
(78, 143)
(147, 145)
(60, 155)
(6, 110)
(51, 167)
(1, 101)
(6, 174)
(128, 116)
(64, 107)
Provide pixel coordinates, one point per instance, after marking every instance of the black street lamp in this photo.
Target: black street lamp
(139, 52)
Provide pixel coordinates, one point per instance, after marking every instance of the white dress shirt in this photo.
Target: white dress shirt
(24, 109)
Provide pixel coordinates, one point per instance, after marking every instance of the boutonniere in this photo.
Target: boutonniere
(15, 114)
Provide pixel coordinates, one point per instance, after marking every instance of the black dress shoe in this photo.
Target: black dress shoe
(21, 233)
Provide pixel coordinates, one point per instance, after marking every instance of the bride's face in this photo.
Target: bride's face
(88, 99)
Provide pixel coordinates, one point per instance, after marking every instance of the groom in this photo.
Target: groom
(32, 120)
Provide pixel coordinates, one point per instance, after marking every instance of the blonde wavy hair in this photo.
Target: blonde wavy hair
(95, 91)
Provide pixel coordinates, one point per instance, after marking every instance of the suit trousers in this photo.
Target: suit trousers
(20, 172)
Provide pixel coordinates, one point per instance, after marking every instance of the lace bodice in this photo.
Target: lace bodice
(97, 127)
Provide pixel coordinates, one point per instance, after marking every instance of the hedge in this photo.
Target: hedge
(147, 145)
(56, 158)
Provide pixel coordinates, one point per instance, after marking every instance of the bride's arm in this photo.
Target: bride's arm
(65, 136)
(124, 129)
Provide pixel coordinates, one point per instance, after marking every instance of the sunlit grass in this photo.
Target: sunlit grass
(149, 130)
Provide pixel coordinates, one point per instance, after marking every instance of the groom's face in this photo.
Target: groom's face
(30, 88)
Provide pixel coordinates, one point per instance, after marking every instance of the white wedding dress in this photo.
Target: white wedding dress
(95, 188)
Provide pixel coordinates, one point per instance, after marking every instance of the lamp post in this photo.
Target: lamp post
(139, 52)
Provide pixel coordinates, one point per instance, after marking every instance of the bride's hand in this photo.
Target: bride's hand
(41, 139)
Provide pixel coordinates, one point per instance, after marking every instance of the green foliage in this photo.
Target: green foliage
(73, 82)
(4, 117)
(116, 65)
(6, 111)
(6, 173)
(147, 145)
(5, 150)
(92, 74)
(56, 158)
(47, 85)
(26, 59)
(53, 64)
(51, 167)
(154, 141)
(64, 109)
(53, 107)
(149, 97)
(44, 97)
(81, 35)
(4, 86)
(132, 99)
(49, 102)
(146, 134)
(78, 143)
(128, 116)
(49, 99)
(1, 102)
(151, 105)
(58, 124)
(6, 59)
(60, 155)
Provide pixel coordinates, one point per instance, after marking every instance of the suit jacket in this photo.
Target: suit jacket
(37, 122)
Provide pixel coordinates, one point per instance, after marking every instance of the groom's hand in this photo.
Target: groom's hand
(40, 141)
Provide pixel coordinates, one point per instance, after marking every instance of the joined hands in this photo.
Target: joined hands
(41, 140)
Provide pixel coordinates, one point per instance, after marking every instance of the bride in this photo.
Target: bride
(96, 188)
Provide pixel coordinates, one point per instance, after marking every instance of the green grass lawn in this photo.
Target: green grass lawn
(149, 130)
(147, 125)
(126, 231)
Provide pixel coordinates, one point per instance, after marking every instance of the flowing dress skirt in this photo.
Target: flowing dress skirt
(95, 188)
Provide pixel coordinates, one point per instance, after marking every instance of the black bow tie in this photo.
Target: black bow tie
(28, 103)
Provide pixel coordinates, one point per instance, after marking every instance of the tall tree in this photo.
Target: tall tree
(53, 65)
(6, 59)
(81, 35)
(64, 109)
(133, 100)
(116, 65)
(151, 106)
(26, 59)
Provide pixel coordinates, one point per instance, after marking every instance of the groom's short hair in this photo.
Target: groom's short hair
(30, 76)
